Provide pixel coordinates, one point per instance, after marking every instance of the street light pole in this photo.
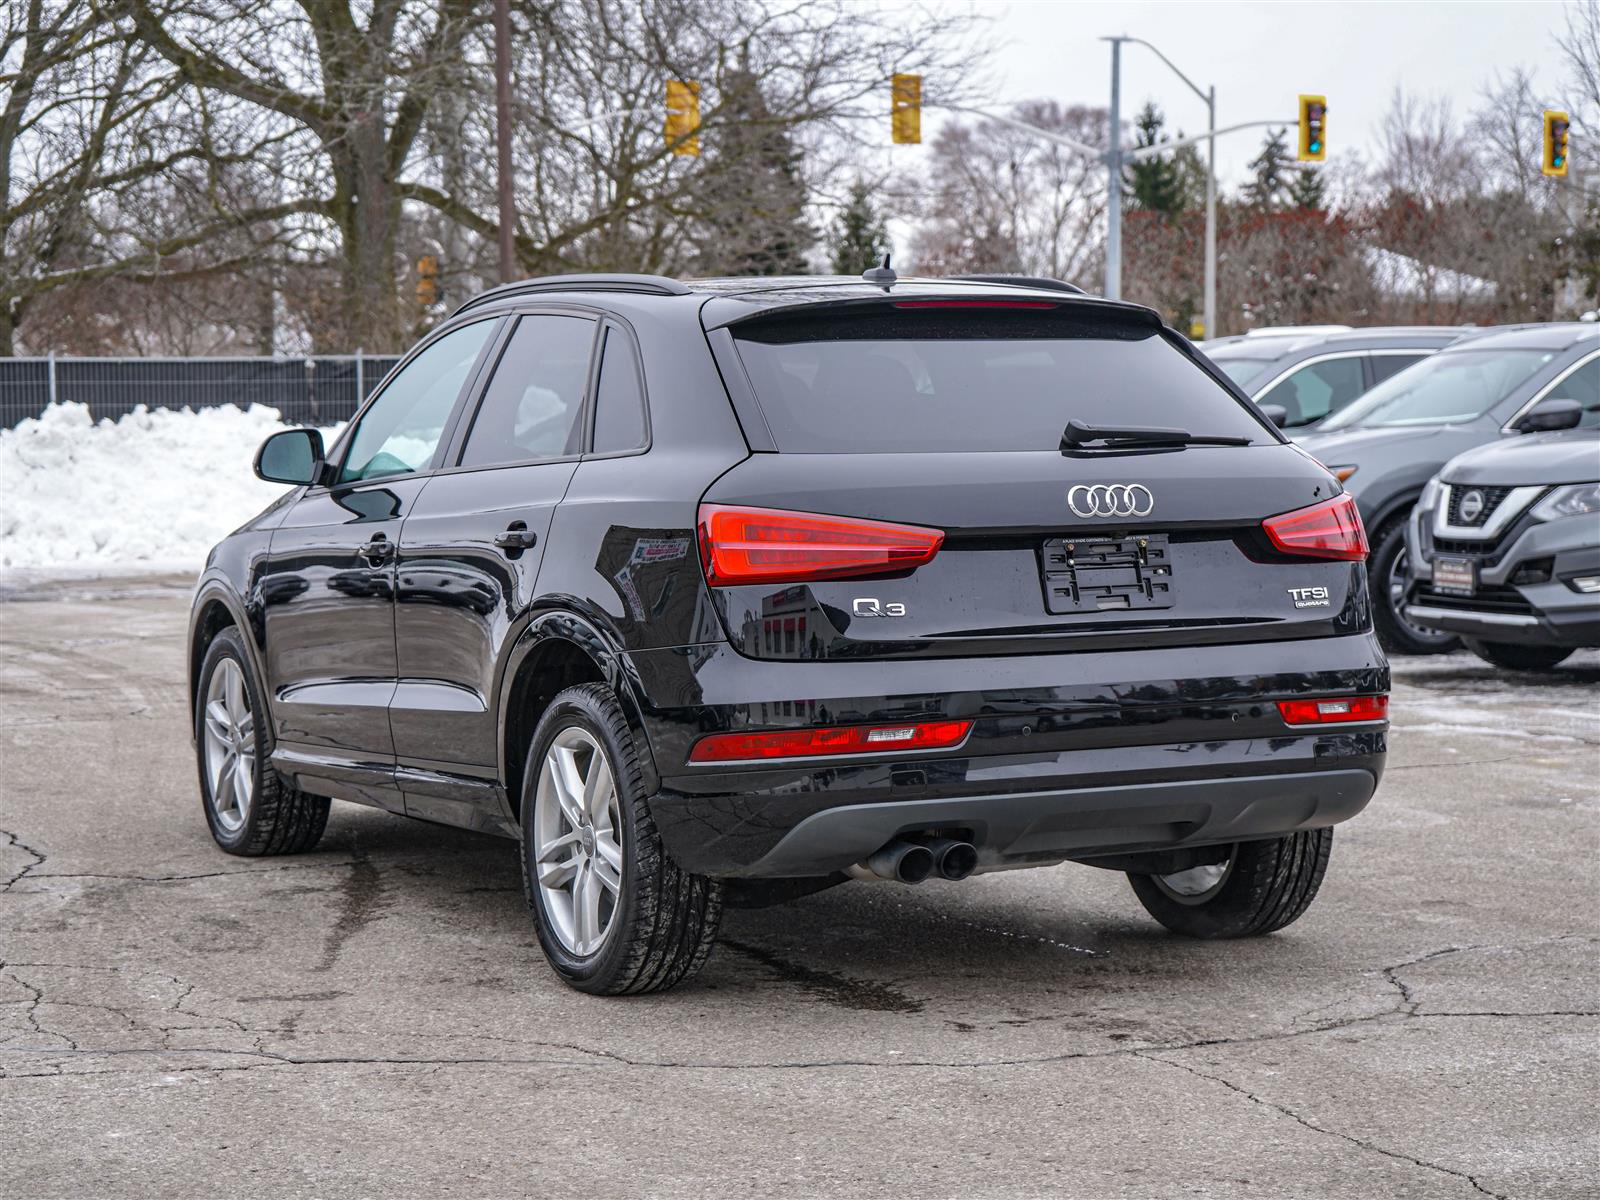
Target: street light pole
(1114, 176)
(1209, 308)
(502, 140)
(1114, 225)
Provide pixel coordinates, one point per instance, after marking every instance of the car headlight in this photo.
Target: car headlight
(1574, 500)
(1342, 473)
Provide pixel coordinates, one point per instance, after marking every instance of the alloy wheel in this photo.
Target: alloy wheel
(577, 841)
(230, 746)
(1197, 884)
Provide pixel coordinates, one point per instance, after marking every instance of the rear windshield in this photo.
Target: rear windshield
(888, 380)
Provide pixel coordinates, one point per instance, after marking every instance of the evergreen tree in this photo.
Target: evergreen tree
(753, 199)
(1308, 189)
(1154, 183)
(1191, 168)
(860, 235)
(1269, 172)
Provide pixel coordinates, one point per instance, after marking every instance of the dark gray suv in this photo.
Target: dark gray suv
(1301, 378)
(1505, 548)
(1387, 445)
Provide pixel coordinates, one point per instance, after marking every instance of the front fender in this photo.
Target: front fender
(214, 589)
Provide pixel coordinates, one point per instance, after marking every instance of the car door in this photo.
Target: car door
(327, 587)
(469, 560)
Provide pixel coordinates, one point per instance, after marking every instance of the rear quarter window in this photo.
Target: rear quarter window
(888, 380)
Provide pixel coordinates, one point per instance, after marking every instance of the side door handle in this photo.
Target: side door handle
(375, 551)
(517, 537)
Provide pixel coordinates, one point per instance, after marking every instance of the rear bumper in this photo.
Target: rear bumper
(1026, 828)
(1185, 748)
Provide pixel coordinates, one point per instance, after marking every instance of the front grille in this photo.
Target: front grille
(1492, 498)
(1483, 550)
(1495, 598)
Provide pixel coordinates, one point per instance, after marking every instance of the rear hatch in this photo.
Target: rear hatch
(946, 417)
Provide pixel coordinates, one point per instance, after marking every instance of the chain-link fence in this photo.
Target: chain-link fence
(317, 390)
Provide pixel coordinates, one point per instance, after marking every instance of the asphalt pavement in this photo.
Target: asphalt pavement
(375, 1019)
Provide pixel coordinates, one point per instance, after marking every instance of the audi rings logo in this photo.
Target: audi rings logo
(1111, 500)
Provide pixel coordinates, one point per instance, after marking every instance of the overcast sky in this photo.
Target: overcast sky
(1261, 56)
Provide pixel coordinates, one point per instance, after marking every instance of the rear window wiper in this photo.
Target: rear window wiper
(1079, 436)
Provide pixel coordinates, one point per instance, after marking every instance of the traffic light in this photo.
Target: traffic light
(683, 116)
(427, 281)
(1555, 143)
(1313, 129)
(905, 109)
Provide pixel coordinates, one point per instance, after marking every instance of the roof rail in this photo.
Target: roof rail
(652, 285)
(1033, 281)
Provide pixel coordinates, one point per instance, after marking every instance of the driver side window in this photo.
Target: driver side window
(401, 430)
(1314, 391)
(1583, 385)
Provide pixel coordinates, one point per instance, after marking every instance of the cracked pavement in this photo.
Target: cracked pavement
(375, 1018)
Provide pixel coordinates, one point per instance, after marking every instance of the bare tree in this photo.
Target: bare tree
(1000, 199)
(87, 123)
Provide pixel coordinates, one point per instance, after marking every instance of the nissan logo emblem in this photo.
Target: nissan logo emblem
(1111, 500)
(1472, 506)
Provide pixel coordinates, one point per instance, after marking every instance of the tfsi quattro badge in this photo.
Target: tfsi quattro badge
(1311, 597)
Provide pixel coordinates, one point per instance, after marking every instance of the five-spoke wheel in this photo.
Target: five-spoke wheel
(577, 843)
(230, 746)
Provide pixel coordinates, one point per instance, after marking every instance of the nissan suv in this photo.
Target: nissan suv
(734, 590)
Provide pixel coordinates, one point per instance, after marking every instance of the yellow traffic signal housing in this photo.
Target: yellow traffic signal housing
(1555, 143)
(427, 281)
(683, 116)
(905, 109)
(1313, 129)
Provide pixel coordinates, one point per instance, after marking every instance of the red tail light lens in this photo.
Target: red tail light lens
(846, 739)
(1331, 529)
(766, 545)
(1334, 712)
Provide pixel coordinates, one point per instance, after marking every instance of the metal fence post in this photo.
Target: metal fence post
(52, 377)
(361, 391)
(311, 389)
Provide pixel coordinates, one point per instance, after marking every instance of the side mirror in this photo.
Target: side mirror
(1276, 413)
(293, 456)
(1555, 413)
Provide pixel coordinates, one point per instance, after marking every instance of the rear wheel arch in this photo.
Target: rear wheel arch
(557, 652)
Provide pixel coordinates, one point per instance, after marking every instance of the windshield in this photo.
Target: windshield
(1442, 390)
(876, 381)
(1243, 371)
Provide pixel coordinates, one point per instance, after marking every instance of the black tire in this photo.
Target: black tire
(1386, 563)
(281, 819)
(664, 920)
(1267, 886)
(1519, 658)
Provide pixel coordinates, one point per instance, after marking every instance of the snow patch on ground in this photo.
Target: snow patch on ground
(153, 490)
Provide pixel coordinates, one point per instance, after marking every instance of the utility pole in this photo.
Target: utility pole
(502, 131)
(1115, 156)
(1114, 176)
(1208, 310)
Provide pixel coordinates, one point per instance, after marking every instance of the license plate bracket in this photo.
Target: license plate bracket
(1098, 574)
(1457, 576)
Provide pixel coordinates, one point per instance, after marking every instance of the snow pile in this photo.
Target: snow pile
(152, 490)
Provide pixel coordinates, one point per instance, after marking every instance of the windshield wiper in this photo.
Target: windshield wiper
(1079, 436)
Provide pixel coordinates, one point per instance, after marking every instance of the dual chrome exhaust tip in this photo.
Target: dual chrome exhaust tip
(906, 861)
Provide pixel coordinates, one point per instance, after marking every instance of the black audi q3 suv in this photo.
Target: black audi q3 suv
(731, 590)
